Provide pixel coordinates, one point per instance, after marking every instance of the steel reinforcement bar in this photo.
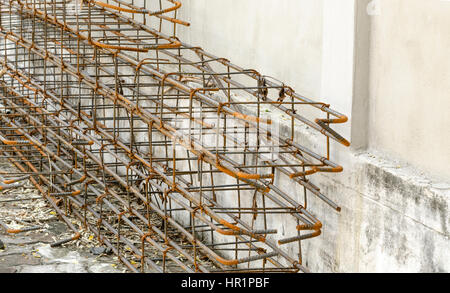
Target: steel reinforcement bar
(176, 159)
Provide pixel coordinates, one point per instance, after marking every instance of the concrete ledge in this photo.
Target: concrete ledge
(393, 219)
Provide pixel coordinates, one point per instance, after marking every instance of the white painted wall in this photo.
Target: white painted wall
(259, 34)
(410, 83)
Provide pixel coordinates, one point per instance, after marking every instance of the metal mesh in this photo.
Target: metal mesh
(176, 159)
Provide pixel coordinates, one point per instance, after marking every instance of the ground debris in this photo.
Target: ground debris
(100, 251)
(30, 252)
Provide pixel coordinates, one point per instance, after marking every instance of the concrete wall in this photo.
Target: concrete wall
(410, 83)
(252, 32)
(384, 63)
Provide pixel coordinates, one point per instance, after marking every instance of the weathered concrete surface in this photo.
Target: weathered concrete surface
(394, 217)
(392, 220)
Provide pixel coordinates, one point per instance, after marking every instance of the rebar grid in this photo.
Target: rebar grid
(176, 159)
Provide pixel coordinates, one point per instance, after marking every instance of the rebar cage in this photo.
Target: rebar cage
(174, 158)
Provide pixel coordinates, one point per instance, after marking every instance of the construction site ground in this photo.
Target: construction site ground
(30, 252)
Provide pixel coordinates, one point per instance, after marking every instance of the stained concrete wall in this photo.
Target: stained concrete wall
(384, 63)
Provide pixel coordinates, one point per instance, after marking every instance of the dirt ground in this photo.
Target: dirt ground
(30, 252)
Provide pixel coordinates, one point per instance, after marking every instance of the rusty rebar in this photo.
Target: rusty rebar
(166, 152)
